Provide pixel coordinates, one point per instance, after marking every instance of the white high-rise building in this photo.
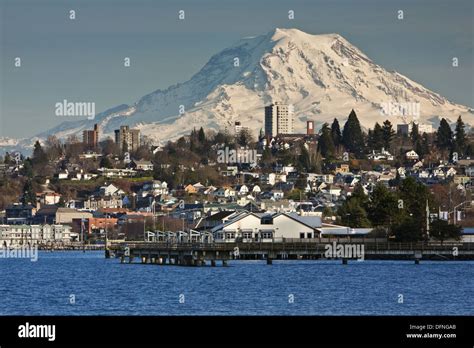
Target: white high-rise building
(279, 119)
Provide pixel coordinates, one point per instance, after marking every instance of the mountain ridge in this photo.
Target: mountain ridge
(324, 76)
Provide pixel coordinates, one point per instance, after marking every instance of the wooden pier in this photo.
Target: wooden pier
(200, 254)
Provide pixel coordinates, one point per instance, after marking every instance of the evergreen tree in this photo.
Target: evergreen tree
(419, 149)
(444, 136)
(39, 156)
(425, 145)
(325, 143)
(304, 162)
(360, 195)
(382, 207)
(460, 141)
(442, 230)
(244, 137)
(27, 169)
(375, 138)
(388, 134)
(29, 195)
(352, 136)
(414, 196)
(370, 140)
(408, 230)
(336, 132)
(201, 136)
(414, 135)
(353, 214)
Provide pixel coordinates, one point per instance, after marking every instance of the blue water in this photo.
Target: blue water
(106, 287)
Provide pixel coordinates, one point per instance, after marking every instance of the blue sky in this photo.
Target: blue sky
(82, 60)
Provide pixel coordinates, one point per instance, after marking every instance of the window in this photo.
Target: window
(267, 235)
(267, 220)
(302, 235)
(309, 235)
(247, 235)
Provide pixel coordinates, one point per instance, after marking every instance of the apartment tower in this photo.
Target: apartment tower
(278, 119)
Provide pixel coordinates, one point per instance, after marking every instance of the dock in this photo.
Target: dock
(201, 254)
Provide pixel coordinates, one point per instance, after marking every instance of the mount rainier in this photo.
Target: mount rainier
(322, 76)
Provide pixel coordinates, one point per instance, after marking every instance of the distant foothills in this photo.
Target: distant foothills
(403, 184)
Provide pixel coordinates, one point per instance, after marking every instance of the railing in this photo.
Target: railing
(295, 244)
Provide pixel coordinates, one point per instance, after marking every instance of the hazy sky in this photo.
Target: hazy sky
(82, 59)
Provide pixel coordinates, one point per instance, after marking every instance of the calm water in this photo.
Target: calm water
(106, 287)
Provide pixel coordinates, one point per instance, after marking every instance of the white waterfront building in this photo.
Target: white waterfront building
(18, 235)
(252, 227)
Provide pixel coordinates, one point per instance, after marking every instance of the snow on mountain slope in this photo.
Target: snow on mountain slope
(323, 76)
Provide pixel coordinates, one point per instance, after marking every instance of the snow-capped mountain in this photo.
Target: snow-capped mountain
(322, 76)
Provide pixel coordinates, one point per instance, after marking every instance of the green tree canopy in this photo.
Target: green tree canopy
(336, 132)
(444, 138)
(442, 230)
(352, 136)
(376, 138)
(388, 134)
(460, 143)
(326, 143)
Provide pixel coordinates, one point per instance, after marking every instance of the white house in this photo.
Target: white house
(423, 174)
(249, 227)
(277, 194)
(402, 172)
(224, 192)
(198, 186)
(63, 175)
(209, 190)
(272, 178)
(451, 172)
(380, 156)
(142, 165)
(243, 190)
(50, 198)
(155, 188)
(412, 155)
(110, 190)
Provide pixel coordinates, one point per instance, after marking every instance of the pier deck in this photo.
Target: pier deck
(197, 254)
